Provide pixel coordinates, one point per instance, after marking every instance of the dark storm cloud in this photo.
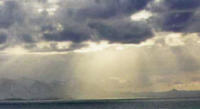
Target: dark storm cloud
(175, 15)
(122, 31)
(47, 28)
(117, 31)
(96, 20)
(177, 21)
(68, 34)
(182, 4)
(87, 20)
(3, 38)
(103, 9)
(92, 22)
(10, 13)
(194, 22)
(27, 38)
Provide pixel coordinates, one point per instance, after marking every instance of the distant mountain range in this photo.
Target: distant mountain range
(27, 89)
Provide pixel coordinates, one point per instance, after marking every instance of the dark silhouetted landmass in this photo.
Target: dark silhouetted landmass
(168, 94)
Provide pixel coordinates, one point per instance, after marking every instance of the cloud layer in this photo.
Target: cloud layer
(27, 23)
(31, 22)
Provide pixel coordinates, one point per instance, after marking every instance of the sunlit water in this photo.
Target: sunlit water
(108, 104)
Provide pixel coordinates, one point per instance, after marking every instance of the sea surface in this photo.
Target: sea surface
(105, 104)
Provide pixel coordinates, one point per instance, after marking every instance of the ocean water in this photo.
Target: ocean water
(106, 104)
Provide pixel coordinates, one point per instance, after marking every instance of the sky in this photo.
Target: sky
(102, 47)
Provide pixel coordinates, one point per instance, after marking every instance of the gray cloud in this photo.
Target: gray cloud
(94, 20)
(3, 38)
(11, 12)
(106, 9)
(78, 21)
(175, 15)
(82, 24)
(122, 31)
(27, 38)
(74, 34)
